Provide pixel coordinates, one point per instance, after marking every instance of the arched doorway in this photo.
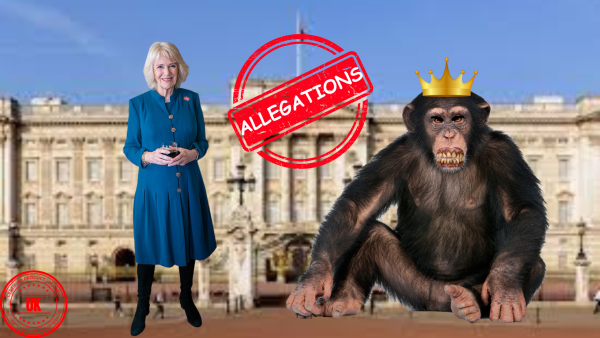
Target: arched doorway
(125, 267)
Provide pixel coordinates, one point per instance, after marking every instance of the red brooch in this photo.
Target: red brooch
(186, 98)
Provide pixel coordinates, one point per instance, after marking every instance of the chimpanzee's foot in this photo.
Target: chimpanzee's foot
(342, 304)
(464, 304)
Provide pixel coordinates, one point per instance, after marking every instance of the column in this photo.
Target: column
(234, 160)
(257, 198)
(203, 270)
(4, 232)
(584, 181)
(261, 270)
(311, 180)
(46, 164)
(240, 276)
(362, 147)
(339, 168)
(8, 116)
(594, 165)
(8, 265)
(581, 280)
(9, 163)
(10, 180)
(246, 277)
(233, 272)
(595, 186)
(78, 181)
(108, 177)
(286, 181)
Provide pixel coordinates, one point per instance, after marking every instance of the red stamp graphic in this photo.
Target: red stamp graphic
(34, 304)
(300, 101)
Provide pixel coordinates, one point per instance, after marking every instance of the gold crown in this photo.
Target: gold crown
(446, 86)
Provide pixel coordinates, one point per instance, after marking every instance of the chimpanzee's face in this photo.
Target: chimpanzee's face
(448, 128)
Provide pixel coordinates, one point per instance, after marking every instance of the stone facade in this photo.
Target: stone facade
(69, 188)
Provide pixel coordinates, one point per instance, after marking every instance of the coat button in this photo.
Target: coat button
(178, 174)
(174, 144)
(171, 116)
(173, 129)
(179, 190)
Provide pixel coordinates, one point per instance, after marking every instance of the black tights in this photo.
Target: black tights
(146, 275)
(186, 276)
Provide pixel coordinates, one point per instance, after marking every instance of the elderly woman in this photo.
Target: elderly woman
(171, 218)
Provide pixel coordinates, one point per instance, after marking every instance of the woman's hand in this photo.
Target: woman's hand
(186, 156)
(158, 156)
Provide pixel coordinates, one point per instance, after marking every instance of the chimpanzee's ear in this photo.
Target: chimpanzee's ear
(485, 112)
(406, 116)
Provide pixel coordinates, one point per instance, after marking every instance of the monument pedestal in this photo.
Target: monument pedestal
(241, 293)
(12, 269)
(203, 270)
(581, 279)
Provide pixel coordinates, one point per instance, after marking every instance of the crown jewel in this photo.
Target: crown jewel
(446, 86)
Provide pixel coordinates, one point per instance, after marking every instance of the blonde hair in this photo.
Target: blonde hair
(169, 50)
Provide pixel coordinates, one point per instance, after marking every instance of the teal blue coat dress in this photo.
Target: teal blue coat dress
(171, 217)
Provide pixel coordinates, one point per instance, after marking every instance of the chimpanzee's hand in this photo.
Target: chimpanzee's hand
(507, 301)
(303, 300)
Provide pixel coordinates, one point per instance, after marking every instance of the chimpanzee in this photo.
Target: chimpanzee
(471, 223)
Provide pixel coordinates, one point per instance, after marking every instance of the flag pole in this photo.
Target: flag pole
(298, 31)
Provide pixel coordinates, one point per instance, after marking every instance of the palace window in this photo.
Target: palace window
(63, 171)
(562, 254)
(563, 169)
(325, 144)
(299, 211)
(272, 171)
(273, 208)
(125, 173)
(219, 209)
(325, 207)
(533, 162)
(94, 215)
(30, 214)
(218, 168)
(325, 171)
(30, 170)
(62, 214)
(564, 211)
(123, 214)
(93, 169)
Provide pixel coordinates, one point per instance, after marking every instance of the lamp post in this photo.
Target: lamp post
(94, 265)
(581, 266)
(356, 168)
(240, 181)
(582, 228)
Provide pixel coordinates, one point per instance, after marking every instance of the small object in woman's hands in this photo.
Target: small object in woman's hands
(172, 147)
(168, 147)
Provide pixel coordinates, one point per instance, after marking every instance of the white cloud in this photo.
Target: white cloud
(48, 18)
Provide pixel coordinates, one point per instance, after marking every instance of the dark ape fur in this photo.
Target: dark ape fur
(453, 227)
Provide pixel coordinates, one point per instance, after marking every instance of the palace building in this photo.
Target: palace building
(67, 188)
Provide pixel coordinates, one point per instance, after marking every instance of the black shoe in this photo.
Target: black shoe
(186, 275)
(139, 319)
(145, 274)
(191, 312)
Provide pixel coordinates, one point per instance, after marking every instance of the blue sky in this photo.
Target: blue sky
(93, 51)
